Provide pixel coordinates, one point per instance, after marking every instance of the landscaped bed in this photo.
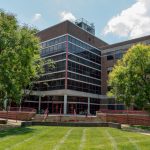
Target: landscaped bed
(146, 128)
(72, 138)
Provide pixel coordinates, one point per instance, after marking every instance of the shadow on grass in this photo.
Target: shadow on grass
(16, 131)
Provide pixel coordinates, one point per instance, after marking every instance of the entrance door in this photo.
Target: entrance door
(77, 108)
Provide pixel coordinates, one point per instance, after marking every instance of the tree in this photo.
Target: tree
(130, 77)
(20, 61)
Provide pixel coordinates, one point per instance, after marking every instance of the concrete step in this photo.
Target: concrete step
(66, 118)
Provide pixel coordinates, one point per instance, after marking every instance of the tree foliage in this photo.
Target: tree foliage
(20, 60)
(130, 77)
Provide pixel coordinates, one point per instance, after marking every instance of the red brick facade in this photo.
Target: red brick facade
(132, 119)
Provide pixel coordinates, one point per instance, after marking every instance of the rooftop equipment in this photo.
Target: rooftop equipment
(85, 25)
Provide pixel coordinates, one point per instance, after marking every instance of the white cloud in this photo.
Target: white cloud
(132, 22)
(36, 17)
(67, 16)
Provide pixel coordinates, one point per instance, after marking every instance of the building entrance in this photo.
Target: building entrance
(80, 109)
(57, 108)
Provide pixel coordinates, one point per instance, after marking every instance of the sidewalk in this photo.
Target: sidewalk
(14, 122)
(126, 127)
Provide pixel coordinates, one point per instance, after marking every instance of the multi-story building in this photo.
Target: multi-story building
(110, 55)
(74, 84)
(78, 82)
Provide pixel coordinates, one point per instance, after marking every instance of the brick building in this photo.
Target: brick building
(110, 54)
(78, 83)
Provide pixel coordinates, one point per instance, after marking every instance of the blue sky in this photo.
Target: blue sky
(115, 20)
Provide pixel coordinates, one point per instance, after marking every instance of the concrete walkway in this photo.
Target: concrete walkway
(126, 127)
(14, 122)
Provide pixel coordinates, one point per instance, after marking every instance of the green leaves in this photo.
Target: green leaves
(130, 78)
(20, 60)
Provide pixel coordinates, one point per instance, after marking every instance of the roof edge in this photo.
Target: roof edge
(126, 42)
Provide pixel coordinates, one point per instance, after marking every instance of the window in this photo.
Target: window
(83, 70)
(84, 61)
(110, 57)
(84, 53)
(83, 78)
(109, 88)
(118, 54)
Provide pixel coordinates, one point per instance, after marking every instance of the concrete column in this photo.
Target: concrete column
(65, 104)
(88, 105)
(39, 108)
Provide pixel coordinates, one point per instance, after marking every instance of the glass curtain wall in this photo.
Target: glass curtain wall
(53, 78)
(84, 69)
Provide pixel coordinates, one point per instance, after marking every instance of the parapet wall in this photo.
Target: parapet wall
(132, 119)
(16, 115)
(66, 118)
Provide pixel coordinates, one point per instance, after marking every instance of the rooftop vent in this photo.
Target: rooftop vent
(85, 25)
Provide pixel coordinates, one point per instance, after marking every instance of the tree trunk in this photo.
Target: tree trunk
(20, 104)
(127, 115)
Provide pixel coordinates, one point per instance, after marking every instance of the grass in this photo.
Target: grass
(71, 138)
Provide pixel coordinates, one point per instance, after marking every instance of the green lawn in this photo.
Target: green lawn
(72, 138)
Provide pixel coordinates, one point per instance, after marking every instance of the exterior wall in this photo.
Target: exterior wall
(104, 76)
(82, 64)
(53, 78)
(68, 27)
(77, 71)
(132, 119)
(70, 30)
(53, 32)
(75, 118)
(84, 69)
(76, 31)
(17, 115)
(77, 65)
(116, 51)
